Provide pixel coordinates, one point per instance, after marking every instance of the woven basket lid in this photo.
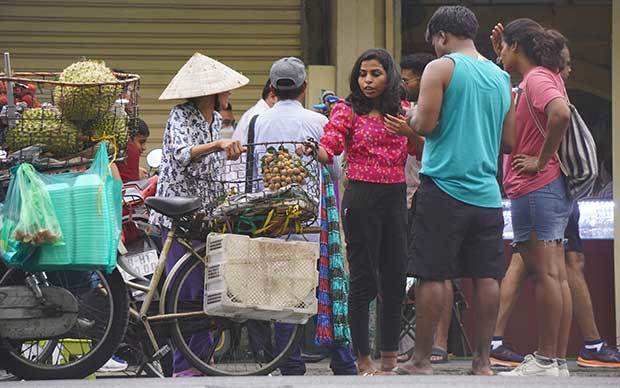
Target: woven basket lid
(202, 76)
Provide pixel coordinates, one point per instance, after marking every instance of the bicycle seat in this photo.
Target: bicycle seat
(173, 206)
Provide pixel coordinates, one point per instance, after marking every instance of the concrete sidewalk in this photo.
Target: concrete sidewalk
(318, 374)
(328, 382)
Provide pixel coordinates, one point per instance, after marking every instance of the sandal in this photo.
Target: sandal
(441, 356)
(370, 372)
(405, 357)
(401, 371)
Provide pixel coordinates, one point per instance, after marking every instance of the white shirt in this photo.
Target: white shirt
(289, 121)
(241, 132)
(235, 171)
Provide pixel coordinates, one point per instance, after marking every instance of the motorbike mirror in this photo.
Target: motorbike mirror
(153, 159)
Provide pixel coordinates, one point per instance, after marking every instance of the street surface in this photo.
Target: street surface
(451, 375)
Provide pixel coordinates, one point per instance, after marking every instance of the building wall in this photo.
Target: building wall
(587, 25)
(358, 25)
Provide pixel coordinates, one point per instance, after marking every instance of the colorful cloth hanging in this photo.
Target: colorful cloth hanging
(332, 327)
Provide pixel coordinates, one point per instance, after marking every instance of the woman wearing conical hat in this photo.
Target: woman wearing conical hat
(192, 158)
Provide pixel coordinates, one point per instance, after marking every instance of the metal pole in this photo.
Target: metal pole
(615, 63)
(9, 92)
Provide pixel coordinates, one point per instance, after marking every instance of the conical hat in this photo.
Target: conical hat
(202, 76)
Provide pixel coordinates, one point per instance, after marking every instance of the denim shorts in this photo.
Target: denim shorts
(545, 211)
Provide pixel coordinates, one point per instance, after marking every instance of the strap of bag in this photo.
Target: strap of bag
(539, 125)
(532, 113)
(249, 163)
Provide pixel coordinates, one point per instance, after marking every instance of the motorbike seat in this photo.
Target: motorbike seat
(174, 207)
(140, 185)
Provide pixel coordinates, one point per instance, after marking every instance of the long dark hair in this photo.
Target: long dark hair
(389, 101)
(542, 47)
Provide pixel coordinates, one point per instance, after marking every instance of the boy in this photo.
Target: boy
(130, 169)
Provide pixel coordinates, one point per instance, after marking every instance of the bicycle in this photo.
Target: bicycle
(184, 318)
(228, 346)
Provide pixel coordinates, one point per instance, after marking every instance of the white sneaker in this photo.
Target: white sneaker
(531, 367)
(563, 370)
(114, 364)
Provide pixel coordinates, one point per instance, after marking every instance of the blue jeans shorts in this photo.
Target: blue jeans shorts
(545, 211)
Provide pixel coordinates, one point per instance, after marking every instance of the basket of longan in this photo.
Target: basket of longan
(271, 191)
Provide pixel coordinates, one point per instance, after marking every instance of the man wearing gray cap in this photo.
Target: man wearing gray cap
(288, 121)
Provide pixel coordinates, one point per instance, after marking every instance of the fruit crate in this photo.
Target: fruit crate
(262, 278)
(60, 116)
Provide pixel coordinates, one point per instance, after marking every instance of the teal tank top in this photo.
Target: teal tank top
(461, 154)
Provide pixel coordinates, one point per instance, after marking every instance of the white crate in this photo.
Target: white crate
(261, 278)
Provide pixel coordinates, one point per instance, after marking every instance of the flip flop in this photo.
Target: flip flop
(438, 352)
(399, 370)
(470, 372)
(373, 372)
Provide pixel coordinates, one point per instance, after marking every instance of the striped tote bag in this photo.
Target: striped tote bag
(577, 154)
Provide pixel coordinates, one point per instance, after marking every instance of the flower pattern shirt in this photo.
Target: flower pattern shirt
(373, 153)
(179, 175)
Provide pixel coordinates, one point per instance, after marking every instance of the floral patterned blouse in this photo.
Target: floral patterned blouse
(373, 153)
(179, 175)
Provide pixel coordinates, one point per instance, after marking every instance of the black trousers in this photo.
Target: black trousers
(375, 224)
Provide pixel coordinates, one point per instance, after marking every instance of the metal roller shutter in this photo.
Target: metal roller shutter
(154, 38)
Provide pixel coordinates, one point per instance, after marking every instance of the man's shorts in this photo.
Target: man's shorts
(571, 233)
(451, 239)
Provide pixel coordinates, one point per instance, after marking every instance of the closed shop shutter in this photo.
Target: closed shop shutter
(154, 38)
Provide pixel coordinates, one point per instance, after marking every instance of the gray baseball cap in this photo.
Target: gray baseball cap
(289, 69)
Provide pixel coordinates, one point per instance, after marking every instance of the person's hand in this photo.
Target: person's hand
(115, 172)
(526, 163)
(142, 173)
(496, 38)
(307, 148)
(232, 148)
(398, 125)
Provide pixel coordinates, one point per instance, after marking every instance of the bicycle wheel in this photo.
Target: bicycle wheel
(100, 326)
(254, 347)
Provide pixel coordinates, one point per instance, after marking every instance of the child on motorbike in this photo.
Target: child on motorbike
(130, 169)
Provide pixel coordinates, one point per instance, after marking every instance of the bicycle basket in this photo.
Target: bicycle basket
(270, 191)
(60, 117)
(261, 278)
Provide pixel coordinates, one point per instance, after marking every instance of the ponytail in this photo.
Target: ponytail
(542, 46)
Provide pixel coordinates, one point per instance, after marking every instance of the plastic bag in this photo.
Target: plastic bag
(27, 218)
(36, 219)
(88, 207)
(13, 252)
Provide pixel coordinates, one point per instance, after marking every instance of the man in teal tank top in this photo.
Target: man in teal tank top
(466, 115)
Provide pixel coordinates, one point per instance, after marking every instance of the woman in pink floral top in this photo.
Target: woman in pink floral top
(374, 209)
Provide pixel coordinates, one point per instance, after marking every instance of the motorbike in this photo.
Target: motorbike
(67, 324)
(60, 324)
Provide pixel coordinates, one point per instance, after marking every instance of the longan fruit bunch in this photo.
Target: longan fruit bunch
(280, 168)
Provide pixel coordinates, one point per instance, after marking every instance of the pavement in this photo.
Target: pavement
(452, 374)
